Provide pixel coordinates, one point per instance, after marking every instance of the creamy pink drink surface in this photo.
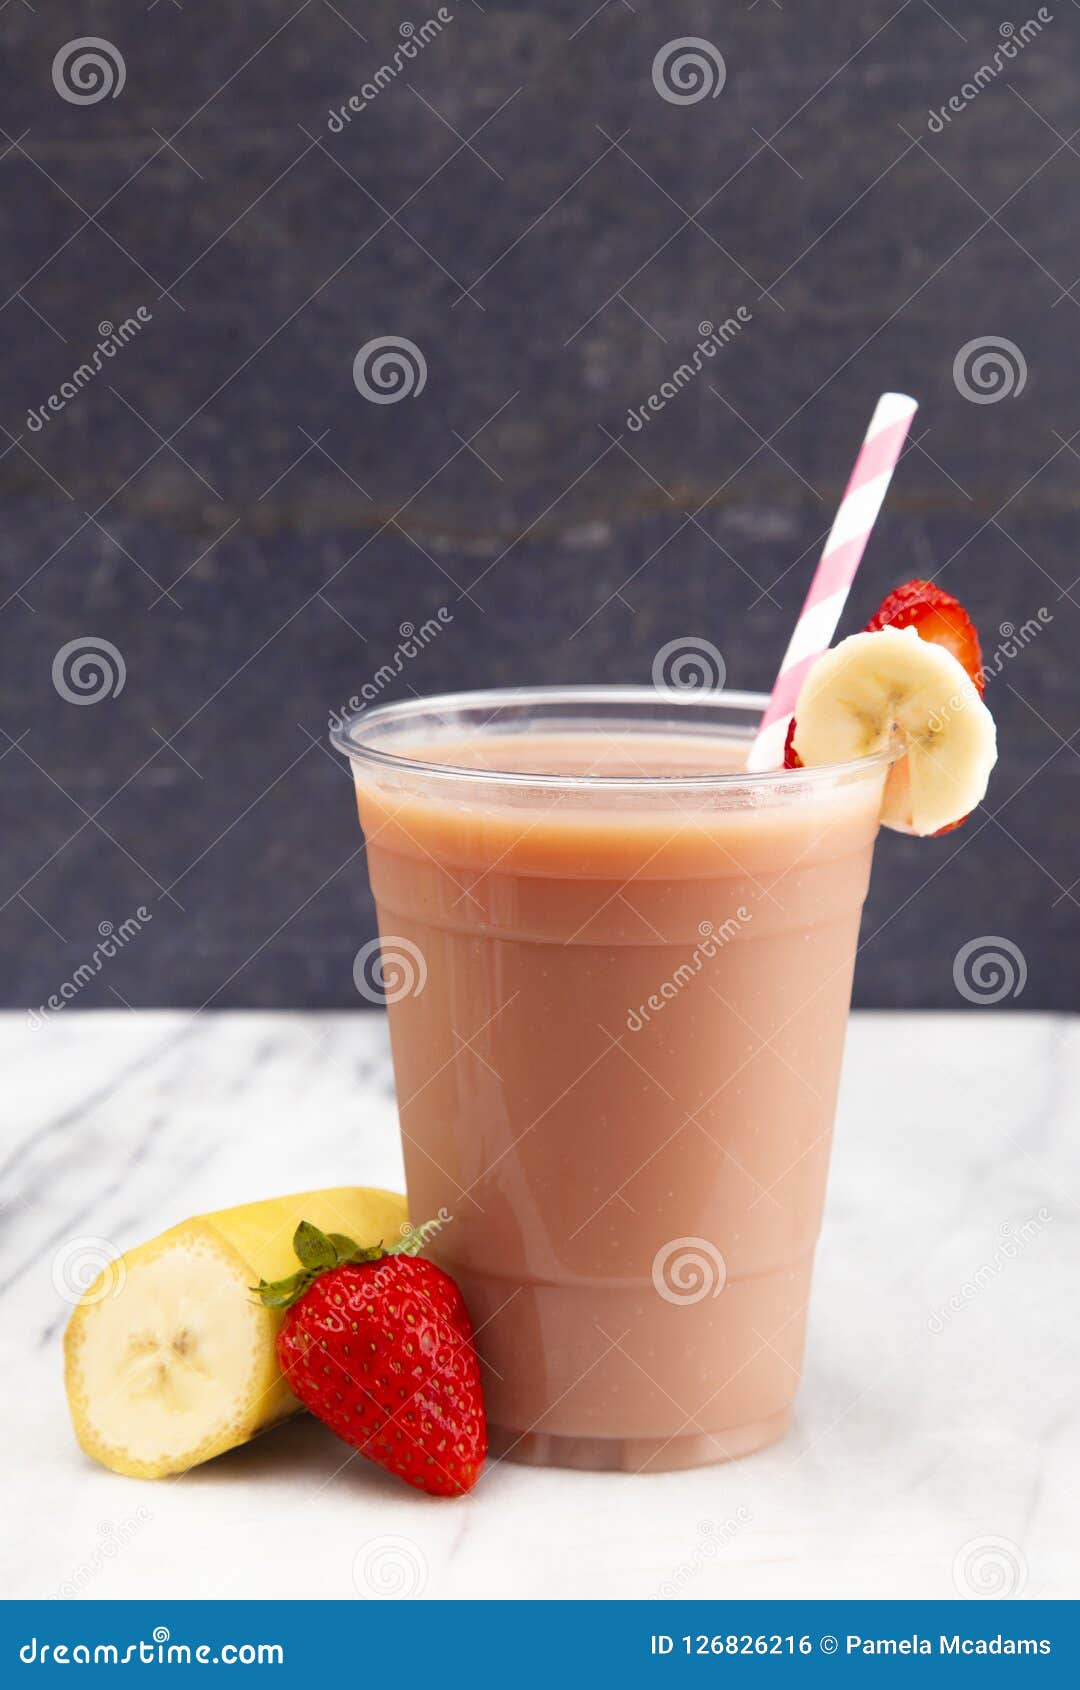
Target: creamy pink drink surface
(617, 1054)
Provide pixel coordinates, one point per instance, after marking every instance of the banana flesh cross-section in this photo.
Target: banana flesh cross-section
(170, 1359)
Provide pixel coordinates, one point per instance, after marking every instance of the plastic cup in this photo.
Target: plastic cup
(618, 973)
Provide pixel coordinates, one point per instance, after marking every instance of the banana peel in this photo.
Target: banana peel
(169, 1358)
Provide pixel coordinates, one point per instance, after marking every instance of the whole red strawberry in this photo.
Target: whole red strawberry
(379, 1346)
(935, 616)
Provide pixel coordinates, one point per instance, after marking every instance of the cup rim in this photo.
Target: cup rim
(343, 737)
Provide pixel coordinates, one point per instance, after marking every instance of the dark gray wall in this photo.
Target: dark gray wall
(522, 204)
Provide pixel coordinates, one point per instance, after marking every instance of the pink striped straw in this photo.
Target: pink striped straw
(813, 632)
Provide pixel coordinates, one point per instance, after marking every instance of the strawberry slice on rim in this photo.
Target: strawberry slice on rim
(935, 616)
(792, 760)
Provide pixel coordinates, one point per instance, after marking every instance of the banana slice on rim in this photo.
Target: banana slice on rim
(878, 688)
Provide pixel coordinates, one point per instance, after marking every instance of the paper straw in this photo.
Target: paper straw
(835, 572)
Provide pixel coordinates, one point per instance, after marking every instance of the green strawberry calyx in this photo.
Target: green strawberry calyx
(321, 1252)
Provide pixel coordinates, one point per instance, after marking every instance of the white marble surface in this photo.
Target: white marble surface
(917, 1438)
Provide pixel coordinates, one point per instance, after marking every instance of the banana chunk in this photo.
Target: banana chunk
(876, 689)
(169, 1359)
